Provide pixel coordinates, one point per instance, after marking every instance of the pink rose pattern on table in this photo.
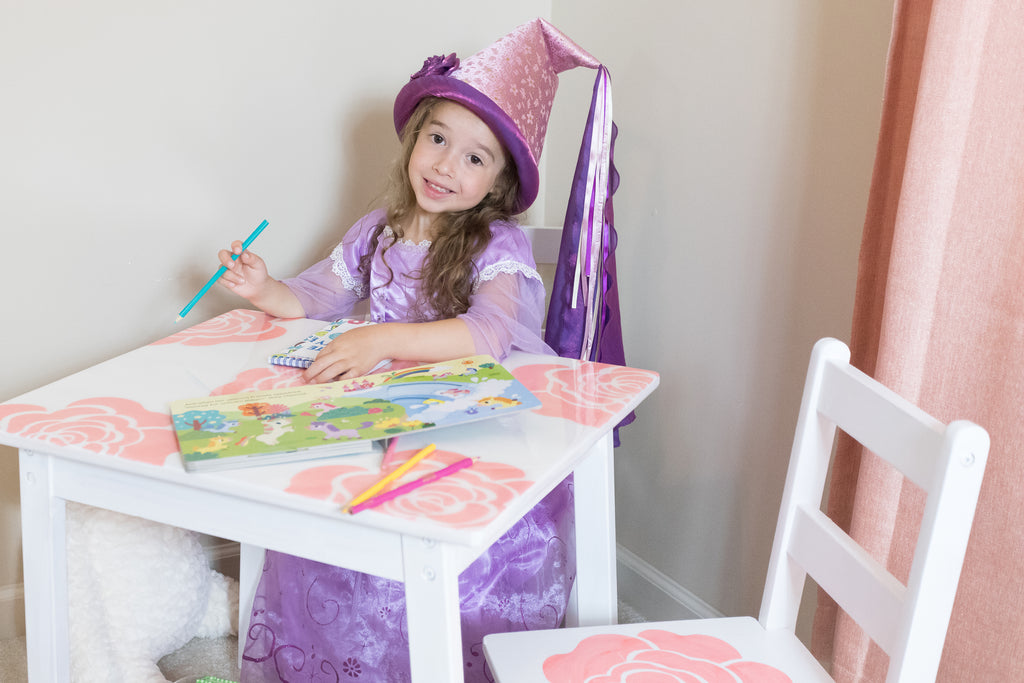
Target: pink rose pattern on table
(657, 655)
(234, 326)
(105, 425)
(471, 497)
(587, 394)
(260, 379)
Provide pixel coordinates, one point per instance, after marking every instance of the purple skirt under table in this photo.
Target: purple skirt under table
(317, 623)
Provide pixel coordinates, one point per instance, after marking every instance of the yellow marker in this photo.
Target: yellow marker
(387, 479)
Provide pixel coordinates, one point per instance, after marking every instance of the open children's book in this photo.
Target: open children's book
(339, 418)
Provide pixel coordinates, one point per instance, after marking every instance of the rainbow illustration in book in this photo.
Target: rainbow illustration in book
(342, 417)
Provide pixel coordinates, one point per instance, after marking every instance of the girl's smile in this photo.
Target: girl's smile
(436, 190)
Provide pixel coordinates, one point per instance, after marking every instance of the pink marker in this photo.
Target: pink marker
(412, 485)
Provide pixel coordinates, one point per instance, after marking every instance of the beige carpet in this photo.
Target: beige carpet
(200, 657)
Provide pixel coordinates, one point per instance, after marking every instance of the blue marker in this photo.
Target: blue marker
(220, 271)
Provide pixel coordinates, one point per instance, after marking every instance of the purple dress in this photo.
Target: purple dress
(315, 622)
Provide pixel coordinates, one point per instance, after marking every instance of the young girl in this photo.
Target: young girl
(448, 274)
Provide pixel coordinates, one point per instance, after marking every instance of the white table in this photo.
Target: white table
(103, 437)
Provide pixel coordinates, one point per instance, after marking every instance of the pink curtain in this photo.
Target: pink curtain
(939, 316)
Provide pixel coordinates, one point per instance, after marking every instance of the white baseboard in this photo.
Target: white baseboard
(221, 551)
(654, 595)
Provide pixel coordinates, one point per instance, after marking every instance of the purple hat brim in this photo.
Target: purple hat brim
(496, 119)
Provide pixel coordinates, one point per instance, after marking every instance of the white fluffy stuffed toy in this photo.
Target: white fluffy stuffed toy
(138, 590)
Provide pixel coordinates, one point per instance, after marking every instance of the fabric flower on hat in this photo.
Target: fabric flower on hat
(438, 65)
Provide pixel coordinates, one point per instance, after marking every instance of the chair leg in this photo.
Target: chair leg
(250, 567)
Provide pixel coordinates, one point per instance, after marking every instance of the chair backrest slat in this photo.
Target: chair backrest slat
(545, 241)
(856, 581)
(883, 422)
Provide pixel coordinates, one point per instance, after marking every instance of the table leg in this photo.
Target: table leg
(432, 611)
(45, 563)
(595, 595)
(250, 568)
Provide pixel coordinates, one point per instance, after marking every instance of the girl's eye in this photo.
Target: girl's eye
(475, 160)
(437, 138)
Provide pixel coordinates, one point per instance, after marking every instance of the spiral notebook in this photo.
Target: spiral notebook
(302, 353)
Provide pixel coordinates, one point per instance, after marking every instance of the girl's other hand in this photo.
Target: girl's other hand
(352, 354)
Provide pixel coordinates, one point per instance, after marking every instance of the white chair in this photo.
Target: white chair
(546, 242)
(908, 622)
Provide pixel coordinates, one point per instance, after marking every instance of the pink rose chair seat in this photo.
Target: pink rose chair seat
(908, 621)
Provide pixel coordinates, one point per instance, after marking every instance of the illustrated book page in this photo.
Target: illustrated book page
(337, 418)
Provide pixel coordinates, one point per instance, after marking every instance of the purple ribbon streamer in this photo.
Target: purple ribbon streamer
(565, 325)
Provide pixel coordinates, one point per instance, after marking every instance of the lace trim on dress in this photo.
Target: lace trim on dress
(423, 245)
(486, 275)
(505, 267)
(341, 270)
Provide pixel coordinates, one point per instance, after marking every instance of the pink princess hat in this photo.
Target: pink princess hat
(511, 85)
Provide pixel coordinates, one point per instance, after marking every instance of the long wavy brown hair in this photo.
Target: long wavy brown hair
(460, 236)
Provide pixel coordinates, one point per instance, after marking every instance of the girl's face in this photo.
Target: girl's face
(455, 161)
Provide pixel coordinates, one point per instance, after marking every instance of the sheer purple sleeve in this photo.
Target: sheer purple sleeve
(331, 288)
(505, 314)
(506, 310)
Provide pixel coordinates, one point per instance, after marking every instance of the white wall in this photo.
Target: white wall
(137, 138)
(747, 136)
